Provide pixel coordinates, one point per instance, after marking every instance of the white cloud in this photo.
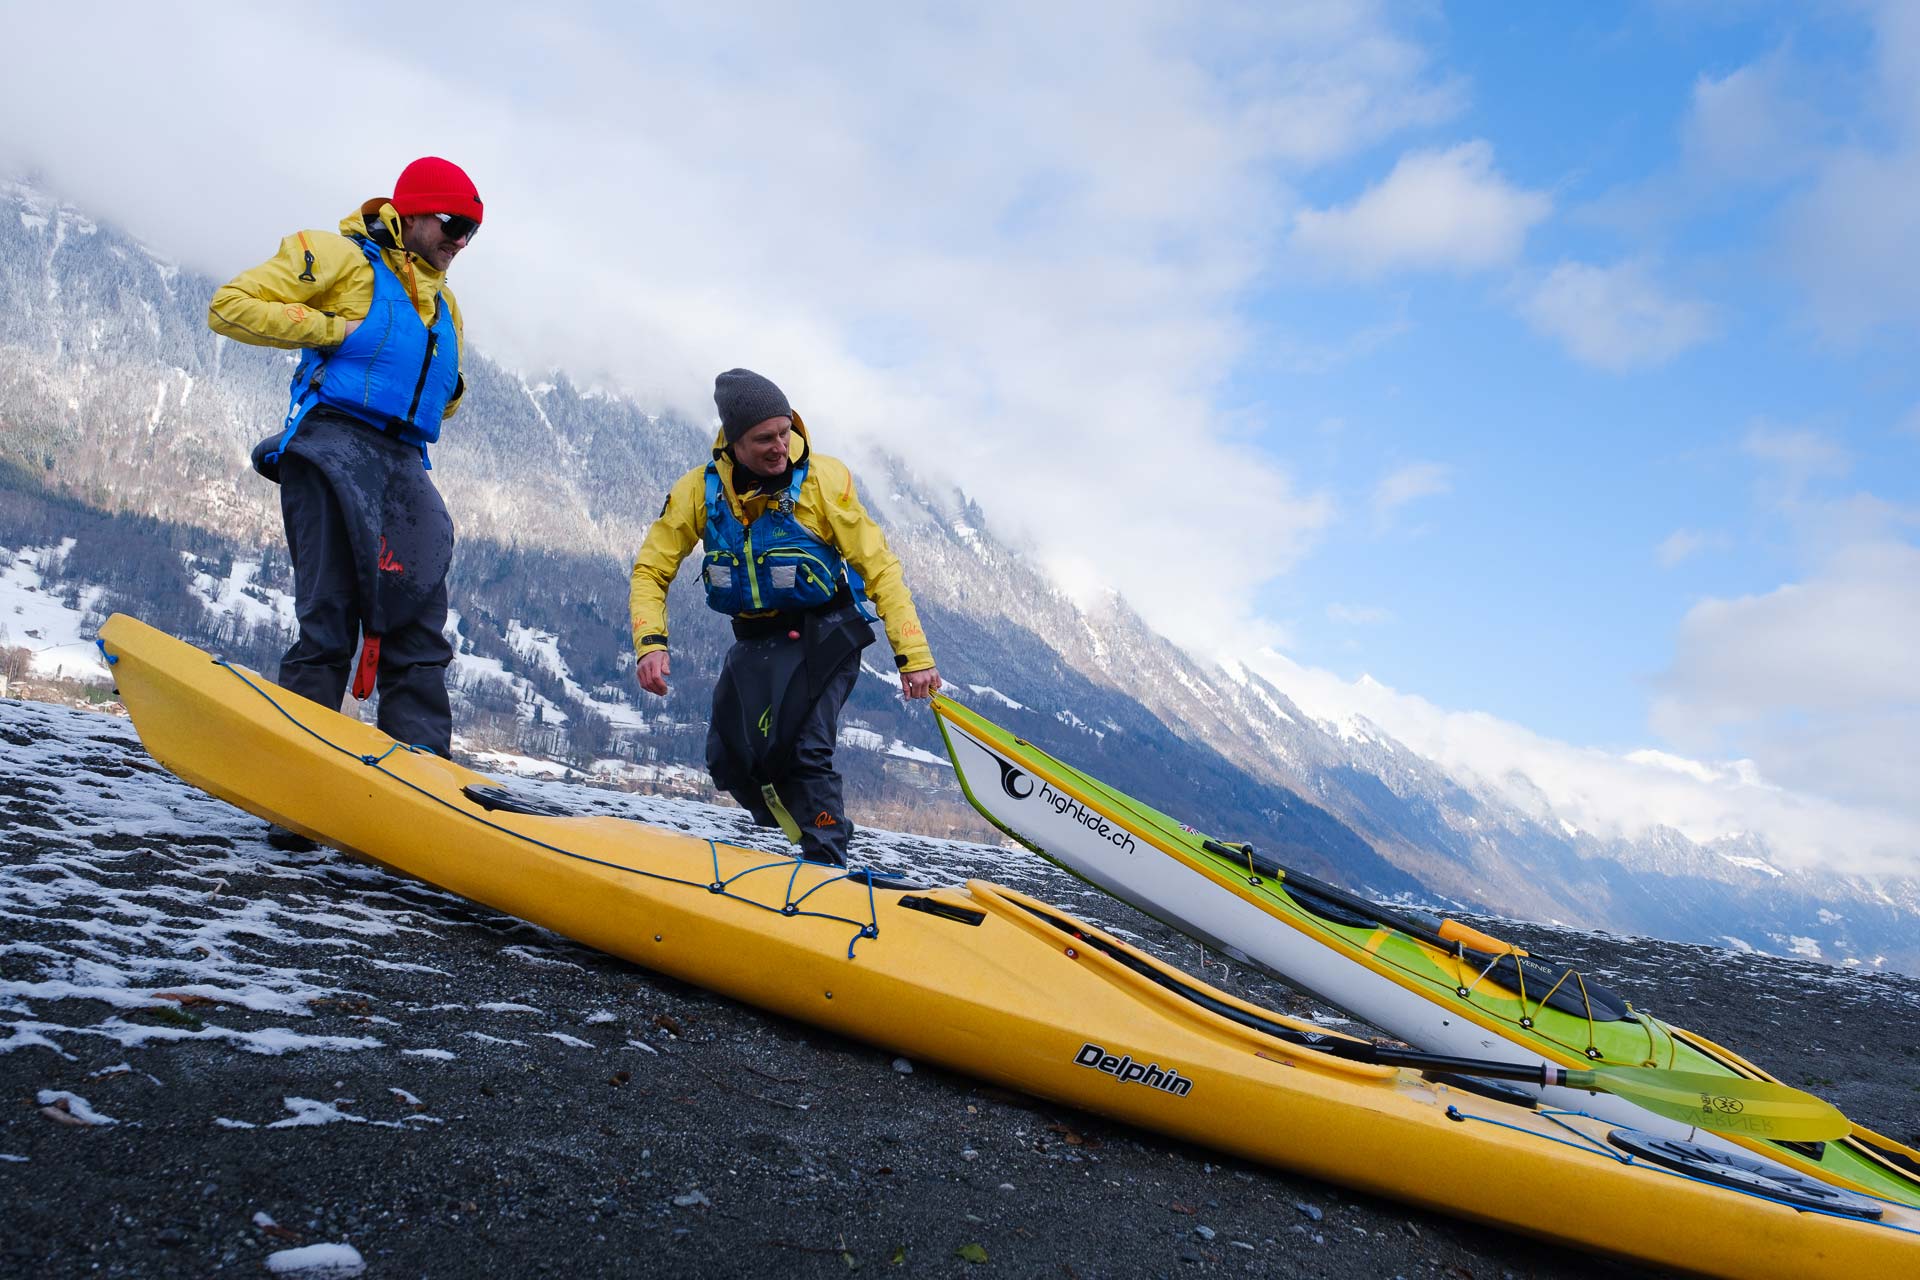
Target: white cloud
(1613, 795)
(1408, 484)
(1797, 456)
(1849, 238)
(1009, 242)
(1438, 210)
(1616, 318)
(1817, 681)
(1752, 125)
(1299, 355)
(1850, 241)
(1684, 544)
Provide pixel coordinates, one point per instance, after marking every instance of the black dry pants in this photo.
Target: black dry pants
(413, 657)
(811, 790)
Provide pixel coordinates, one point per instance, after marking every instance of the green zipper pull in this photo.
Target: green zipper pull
(753, 579)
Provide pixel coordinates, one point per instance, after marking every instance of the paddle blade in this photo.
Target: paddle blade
(1724, 1104)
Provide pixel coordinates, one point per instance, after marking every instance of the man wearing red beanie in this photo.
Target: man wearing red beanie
(369, 536)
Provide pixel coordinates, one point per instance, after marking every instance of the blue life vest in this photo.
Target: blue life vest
(774, 563)
(393, 372)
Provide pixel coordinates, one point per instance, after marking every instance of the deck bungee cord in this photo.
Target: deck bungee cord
(790, 906)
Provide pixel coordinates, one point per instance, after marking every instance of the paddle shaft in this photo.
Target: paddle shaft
(1338, 896)
(1544, 1073)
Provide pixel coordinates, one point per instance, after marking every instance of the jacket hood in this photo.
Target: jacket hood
(377, 220)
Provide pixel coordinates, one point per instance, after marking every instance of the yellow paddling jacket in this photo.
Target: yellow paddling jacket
(304, 295)
(827, 506)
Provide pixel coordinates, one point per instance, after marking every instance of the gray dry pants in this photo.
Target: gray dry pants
(811, 791)
(412, 678)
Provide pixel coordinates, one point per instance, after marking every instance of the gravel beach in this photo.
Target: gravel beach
(218, 1055)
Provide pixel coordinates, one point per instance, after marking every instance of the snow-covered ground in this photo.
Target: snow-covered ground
(543, 647)
(861, 738)
(60, 638)
(237, 594)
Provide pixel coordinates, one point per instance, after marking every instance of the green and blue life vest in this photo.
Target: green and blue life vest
(393, 373)
(774, 563)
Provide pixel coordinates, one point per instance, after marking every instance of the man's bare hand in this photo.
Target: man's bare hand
(351, 326)
(920, 684)
(653, 671)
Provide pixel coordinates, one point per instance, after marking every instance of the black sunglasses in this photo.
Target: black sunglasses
(457, 226)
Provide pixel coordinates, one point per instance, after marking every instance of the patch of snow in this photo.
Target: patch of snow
(309, 1111)
(891, 677)
(76, 1106)
(988, 691)
(1073, 721)
(543, 649)
(863, 739)
(468, 669)
(232, 597)
(317, 1260)
(632, 773)
(519, 766)
(34, 618)
(1754, 864)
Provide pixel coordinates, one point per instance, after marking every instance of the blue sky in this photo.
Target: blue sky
(1536, 380)
(1529, 581)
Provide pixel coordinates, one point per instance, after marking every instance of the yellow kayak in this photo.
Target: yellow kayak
(989, 982)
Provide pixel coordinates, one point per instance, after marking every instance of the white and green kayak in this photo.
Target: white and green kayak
(1440, 985)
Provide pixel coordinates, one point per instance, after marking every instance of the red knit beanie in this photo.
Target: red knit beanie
(433, 185)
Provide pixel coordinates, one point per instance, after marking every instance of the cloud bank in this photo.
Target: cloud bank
(946, 233)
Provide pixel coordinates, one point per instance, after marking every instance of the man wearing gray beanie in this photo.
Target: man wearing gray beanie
(792, 556)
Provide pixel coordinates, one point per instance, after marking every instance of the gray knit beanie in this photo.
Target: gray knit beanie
(746, 400)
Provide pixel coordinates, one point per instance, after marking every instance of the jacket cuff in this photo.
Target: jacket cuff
(649, 643)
